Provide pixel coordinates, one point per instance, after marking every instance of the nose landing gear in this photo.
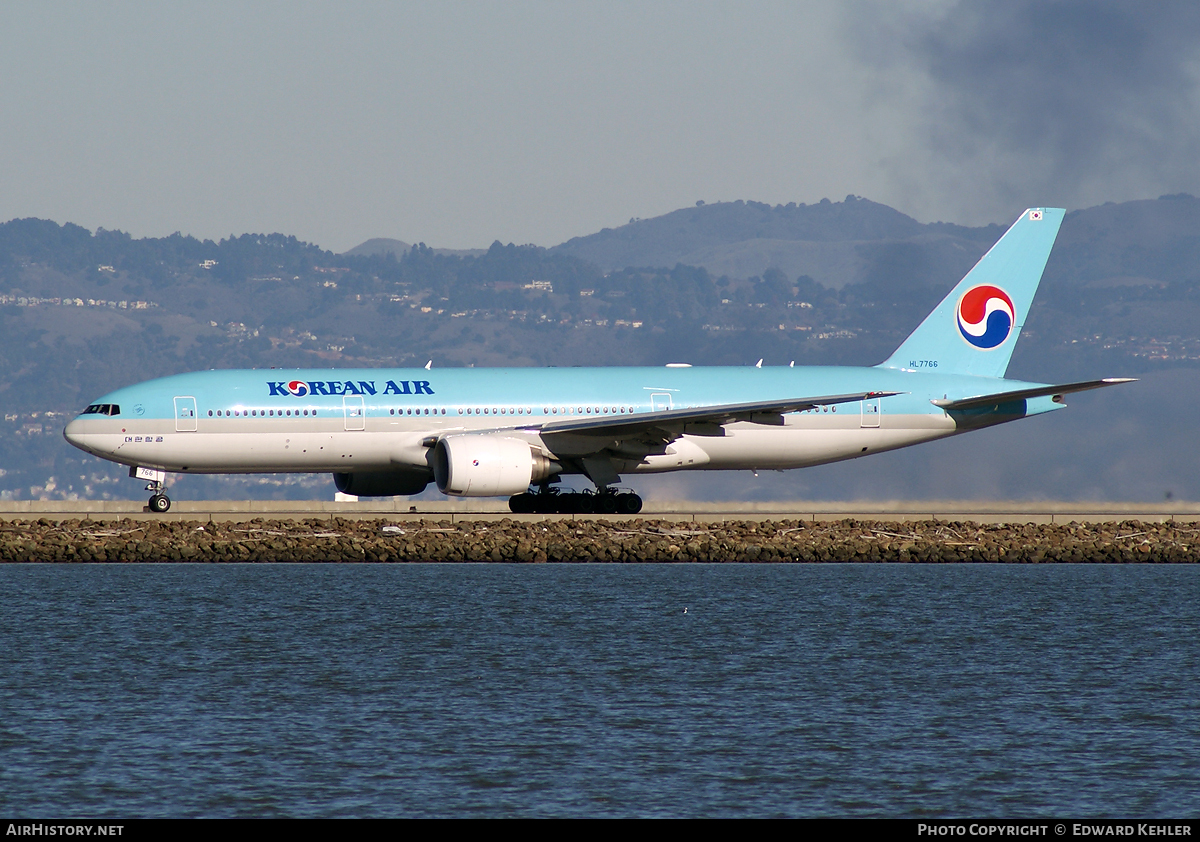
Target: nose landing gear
(159, 501)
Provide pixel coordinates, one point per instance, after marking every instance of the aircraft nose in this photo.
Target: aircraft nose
(73, 433)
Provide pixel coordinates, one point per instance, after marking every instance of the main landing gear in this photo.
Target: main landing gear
(551, 501)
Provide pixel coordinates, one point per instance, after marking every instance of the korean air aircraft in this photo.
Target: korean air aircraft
(501, 432)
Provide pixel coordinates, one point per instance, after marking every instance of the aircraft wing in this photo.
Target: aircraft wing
(760, 412)
(1022, 394)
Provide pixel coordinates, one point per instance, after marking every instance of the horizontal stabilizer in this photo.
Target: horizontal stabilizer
(1037, 392)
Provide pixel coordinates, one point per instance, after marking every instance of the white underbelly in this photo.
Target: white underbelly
(265, 452)
(755, 446)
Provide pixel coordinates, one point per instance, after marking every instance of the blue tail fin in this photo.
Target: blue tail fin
(975, 328)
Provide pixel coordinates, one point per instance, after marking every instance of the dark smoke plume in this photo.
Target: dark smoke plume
(1086, 100)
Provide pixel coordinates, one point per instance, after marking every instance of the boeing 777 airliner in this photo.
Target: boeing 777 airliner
(501, 432)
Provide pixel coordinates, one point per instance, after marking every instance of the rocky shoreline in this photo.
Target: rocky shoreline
(596, 541)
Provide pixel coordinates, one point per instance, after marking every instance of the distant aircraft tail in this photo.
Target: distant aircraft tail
(975, 328)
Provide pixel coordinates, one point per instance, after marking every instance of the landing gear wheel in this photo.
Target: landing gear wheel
(575, 503)
(160, 503)
(629, 504)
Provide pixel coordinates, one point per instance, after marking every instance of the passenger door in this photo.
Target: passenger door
(871, 411)
(356, 413)
(185, 414)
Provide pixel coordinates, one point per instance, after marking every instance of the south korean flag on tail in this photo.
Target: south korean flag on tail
(1035, 215)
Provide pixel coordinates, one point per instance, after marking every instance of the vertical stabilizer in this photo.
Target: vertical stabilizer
(975, 328)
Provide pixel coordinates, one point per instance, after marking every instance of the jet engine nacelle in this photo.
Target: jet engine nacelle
(488, 465)
(383, 483)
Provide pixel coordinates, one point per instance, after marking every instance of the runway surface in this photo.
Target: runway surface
(680, 511)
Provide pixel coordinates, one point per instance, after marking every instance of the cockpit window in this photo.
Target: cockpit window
(103, 409)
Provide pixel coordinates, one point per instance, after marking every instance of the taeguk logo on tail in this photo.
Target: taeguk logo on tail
(985, 316)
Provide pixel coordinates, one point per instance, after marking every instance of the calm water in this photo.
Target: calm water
(920, 691)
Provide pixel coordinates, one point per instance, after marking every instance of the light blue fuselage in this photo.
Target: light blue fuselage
(376, 420)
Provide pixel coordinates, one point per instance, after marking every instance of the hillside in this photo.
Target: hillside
(835, 243)
(382, 246)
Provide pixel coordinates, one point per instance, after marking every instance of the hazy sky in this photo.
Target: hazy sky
(458, 124)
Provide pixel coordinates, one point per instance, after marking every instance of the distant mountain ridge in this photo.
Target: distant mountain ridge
(742, 239)
(384, 245)
(858, 241)
(379, 245)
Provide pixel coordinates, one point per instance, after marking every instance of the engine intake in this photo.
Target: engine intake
(471, 465)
